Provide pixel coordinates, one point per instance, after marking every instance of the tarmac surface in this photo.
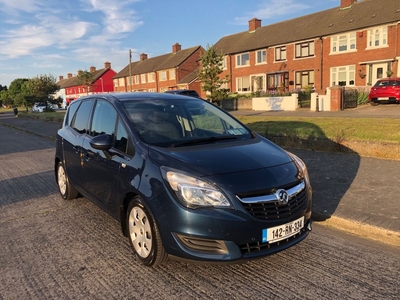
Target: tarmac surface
(350, 192)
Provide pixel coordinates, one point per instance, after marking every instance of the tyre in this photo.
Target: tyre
(67, 191)
(374, 103)
(143, 234)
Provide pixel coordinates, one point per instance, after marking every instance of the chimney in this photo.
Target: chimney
(79, 72)
(69, 75)
(143, 56)
(107, 65)
(254, 24)
(92, 69)
(346, 3)
(60, 78)
(176, 47)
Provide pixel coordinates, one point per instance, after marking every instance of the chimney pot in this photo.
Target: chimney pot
(107, 65)
(143, 56)
(92, 69)
(176, 47)
(346, 3)
(254, 24)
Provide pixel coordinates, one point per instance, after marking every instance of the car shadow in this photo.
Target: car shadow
(332, 166)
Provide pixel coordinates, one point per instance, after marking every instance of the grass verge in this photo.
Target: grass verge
(377, 137)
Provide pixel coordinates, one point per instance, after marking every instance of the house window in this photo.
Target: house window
(242, 84)
(172, 74)
(163, 75)
(115, 82)
(305, 49)
(257, 83)
(136, 79)
(278, 81)
(143, 78)
(304, 79)
(377, 37)
(261, 56)
(344, 76)
(223, 63)
(242, 60)
(280, 53)
(150, 77)
(343, 43)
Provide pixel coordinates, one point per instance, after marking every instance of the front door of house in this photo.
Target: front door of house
(378, 72)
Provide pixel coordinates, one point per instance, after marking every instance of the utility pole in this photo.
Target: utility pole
(130, 68)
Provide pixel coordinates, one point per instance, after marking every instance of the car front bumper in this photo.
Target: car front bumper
(224, 235)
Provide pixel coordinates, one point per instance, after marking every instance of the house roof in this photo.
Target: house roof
(361, 14)
(189, 78)
(73, 81)
(162, 62)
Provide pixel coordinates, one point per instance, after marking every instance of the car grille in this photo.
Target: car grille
(272, 209)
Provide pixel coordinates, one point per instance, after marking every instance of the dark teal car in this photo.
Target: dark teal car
(185, 179)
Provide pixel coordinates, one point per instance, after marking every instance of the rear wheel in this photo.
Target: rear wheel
(144, 236)
(67, 191)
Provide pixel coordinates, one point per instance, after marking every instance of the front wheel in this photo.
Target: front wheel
(144, 236)
(374, 103)
(67, 191)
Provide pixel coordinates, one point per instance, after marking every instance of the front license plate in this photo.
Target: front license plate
(383, 98)
(275, 234)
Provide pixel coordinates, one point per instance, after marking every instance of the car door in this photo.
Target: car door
(77, 131)
(98, 171)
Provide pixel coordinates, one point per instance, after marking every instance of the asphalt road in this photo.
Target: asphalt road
(56, 249)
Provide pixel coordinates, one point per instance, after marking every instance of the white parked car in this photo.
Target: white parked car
(39, 107)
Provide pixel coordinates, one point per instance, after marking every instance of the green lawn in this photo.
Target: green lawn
(335, 129)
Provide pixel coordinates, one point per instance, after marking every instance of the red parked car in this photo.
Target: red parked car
(385, 90)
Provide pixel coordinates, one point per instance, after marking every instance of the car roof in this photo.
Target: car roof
(135, 96)
(179, 91)
(389, 79)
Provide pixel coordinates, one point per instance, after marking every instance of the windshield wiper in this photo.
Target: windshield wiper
(206, 140)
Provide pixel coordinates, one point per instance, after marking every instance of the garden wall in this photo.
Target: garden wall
(237, 104)
(276, 103)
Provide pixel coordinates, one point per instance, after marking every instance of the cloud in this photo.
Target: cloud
(118, 16)
(272, 9)
(13, 6)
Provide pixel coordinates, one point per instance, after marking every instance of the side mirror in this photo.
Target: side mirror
(101, 142)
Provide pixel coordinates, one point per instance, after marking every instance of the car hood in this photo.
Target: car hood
(223, 158)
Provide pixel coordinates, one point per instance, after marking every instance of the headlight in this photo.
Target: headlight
(301, 166)
(193, 192)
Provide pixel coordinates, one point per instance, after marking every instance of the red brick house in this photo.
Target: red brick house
(175, 70)
(70, 89)
(350, 45)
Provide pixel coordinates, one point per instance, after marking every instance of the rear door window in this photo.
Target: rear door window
(104, 119)
(81, 120)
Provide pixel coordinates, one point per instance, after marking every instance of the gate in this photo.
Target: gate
(349, 98)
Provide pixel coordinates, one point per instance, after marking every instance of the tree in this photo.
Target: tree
(209, 75)
(41, 89)
(5, 99)
(16, 86)
(85, 78)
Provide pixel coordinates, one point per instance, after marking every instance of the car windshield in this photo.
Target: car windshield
(387, 83)
(183, 122)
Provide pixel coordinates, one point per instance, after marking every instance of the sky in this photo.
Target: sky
(57, 37)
